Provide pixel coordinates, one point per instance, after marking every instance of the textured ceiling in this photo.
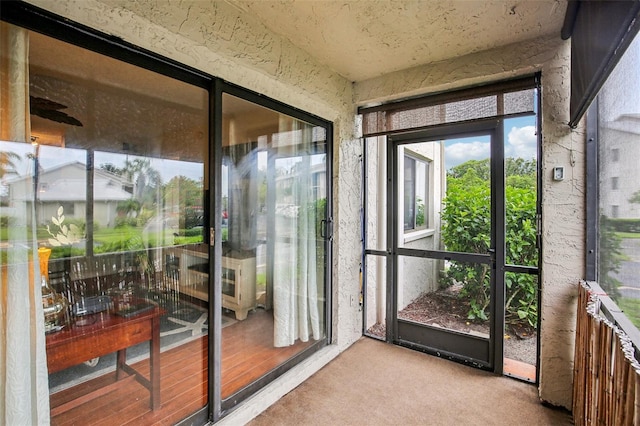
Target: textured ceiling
(362, 39)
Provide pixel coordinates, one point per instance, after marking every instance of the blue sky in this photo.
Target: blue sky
(519, 137)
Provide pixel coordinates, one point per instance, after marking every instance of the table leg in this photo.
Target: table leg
(154, 359)
(121, 361)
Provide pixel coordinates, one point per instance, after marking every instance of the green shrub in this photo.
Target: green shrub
(610, 256)
(5, 221)
(193, 232)
(467, 228)
(122, 222)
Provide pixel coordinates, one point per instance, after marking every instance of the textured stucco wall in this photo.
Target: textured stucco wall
(563, 231)
(563, 202)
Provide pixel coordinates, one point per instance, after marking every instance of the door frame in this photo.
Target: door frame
(462, 347)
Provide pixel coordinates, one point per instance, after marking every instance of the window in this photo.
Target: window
(615, 155)
(416, 193)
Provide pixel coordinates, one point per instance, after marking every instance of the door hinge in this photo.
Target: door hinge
(212, 236)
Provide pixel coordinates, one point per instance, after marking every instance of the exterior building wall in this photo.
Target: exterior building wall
(563, 218)
(415, 276)
(218, 39)
(620, 127)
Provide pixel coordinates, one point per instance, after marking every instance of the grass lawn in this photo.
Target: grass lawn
(631, 308)
(630, 235)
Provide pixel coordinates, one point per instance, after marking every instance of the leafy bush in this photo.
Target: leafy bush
(467, 228)
(193, 217)
(5, 221)
(123, 222)
(610, 256)
(193, 232)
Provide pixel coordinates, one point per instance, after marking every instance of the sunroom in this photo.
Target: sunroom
(201, 203)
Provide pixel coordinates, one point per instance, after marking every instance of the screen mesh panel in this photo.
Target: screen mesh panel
(512, 98)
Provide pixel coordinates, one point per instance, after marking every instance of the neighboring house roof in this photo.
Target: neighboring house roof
(72, 164)
(75, 190)
(106, 185)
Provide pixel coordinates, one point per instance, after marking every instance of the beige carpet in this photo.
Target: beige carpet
(374, 383)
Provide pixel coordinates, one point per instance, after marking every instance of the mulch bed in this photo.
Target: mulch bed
(446, 309)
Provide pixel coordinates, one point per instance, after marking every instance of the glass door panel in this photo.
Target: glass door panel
(521, 326)
(521, 257)
(274, 202)
(376, 296)
(119, 162)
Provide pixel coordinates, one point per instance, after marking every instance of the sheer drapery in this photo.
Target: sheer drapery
(295, 293)
(24, 388)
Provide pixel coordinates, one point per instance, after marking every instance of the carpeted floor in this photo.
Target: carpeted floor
(374, 383)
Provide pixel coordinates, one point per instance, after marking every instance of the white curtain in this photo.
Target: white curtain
(295, 279)
(24, 386)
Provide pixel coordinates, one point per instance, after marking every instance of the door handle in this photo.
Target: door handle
(325, 231)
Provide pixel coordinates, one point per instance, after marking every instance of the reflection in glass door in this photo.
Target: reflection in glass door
(274, 193)
(116, 174)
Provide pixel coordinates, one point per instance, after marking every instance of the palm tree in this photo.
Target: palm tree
(7, 163)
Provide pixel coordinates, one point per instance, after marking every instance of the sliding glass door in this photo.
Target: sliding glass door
(274, 235)
(114, 173)
(179, 228)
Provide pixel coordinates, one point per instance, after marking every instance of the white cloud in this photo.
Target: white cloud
(459, 152)
(521, 143)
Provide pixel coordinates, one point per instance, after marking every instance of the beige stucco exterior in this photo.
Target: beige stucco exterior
(223, 42)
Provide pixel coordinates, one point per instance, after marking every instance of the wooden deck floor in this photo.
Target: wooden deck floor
(247, 354)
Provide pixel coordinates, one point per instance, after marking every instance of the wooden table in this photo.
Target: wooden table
(105, 333)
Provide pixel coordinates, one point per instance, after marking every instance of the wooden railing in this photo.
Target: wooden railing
(606, 380)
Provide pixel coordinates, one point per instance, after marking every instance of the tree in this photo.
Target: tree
(635, 198)
(185, 195)
(479, 167)
(610, 257)
(111, 168)
(146, 181)
(7, 163)
(147, 184)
